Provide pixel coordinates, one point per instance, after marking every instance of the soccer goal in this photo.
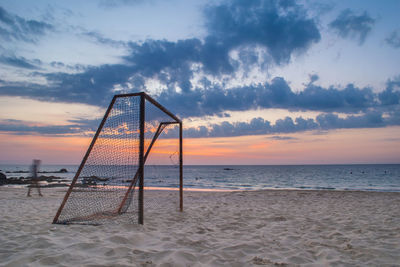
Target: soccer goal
(137, 146)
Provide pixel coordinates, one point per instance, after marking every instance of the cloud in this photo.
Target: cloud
(169, 62)
(350, 98)
(99, 38)
(327, 121)
(275, 94)
(391, 96)
(394, 39)
(20, 62)
(280, 28)
(25, 128)
(313, 78)
(93, 86)
(372, 119)
(350, 25)
(13, 27)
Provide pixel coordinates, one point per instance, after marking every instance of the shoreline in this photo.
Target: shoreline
(191, 189)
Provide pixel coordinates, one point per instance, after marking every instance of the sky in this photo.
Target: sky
(254, 82)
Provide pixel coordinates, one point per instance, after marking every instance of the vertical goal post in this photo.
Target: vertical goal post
(112, 125)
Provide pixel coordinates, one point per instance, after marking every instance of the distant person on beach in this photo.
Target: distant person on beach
(35, 178)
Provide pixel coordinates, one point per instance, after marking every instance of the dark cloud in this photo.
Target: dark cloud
(350, 25)
(276, 94)
(349, 99)
(86, 124)
(20, 62)
(25, 128)
(99, 38)
(57, 64)
(281, 28)
(394, 39)
(92, 86)
(255, 127)
(75, 68)
(368, 120)
(393, 116)
(13, 27)
(313, 78)
(169, 62)
(391, 95)
(328, 121)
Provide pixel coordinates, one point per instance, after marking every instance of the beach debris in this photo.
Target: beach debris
(63, 170)
(51, 181)
(92, 180)
(348, 247)
(3, 178)
(261, 261)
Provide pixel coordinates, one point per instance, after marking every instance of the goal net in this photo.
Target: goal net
(137, 146)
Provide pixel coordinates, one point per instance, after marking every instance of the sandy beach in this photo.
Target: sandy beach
(242, 228)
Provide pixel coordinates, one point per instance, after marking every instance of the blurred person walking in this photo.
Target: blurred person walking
(35, 178)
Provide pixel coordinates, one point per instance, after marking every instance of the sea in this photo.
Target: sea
(366, 177)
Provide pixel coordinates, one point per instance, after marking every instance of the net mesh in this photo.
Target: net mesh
(107, 186)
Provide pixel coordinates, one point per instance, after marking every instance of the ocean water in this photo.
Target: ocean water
(315, 177)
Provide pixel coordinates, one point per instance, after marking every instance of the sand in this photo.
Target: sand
(271, 228)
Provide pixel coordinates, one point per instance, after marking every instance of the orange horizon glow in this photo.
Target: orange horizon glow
(336, 147)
